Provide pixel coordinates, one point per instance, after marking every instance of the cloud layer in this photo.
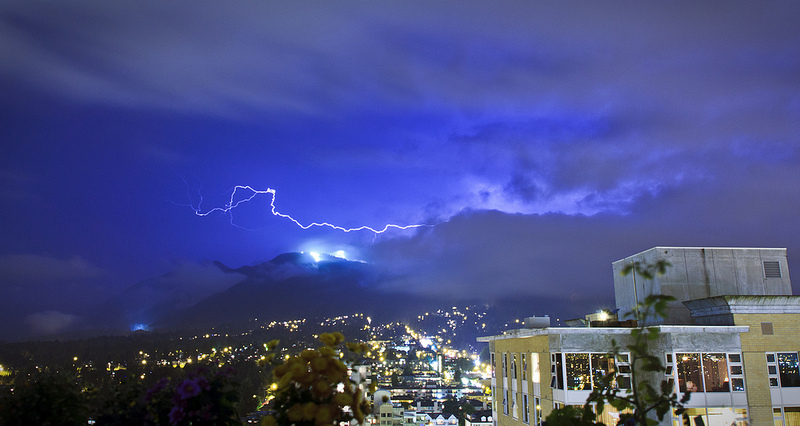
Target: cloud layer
(536, 136)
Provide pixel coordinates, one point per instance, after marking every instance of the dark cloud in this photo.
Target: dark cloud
(50, 322)
(538, 136)
(38, 269)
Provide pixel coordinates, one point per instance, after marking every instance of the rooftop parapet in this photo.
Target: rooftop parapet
(719, 310)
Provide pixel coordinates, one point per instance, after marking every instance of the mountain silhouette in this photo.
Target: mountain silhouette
(292, 286)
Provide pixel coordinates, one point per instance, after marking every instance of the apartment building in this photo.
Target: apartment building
(732, 339)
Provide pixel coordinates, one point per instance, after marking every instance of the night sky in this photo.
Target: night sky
(540, 140)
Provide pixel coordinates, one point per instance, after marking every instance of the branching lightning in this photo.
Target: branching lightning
(233, 203)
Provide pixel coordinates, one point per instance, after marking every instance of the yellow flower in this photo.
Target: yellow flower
(324, 415)
(319, 365)
(342, 399)
(295, 413)
(280, 371)
(309, 411)
(328, 339)
(284, 381)
(358, 414)
(327, 352)
(297, 370)
(309, 354)
(321, 389)
(269, 421)
(293, 361)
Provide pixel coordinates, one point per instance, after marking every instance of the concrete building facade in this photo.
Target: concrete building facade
(736, 353)
(701, 272)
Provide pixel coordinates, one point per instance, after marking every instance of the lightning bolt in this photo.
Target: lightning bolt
(233, 203)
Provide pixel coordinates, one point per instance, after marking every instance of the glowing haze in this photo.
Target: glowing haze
(466, 150)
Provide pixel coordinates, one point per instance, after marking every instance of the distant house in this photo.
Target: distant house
(427, 405)
(479, 418)
(441, 419)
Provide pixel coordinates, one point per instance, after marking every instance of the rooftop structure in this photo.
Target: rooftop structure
(731, 339)
(702, 272)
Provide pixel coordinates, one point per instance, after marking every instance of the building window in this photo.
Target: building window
(736, 372)
(556, 371)
(623, 371)
(514, 407)
(524, 360)
(505, 364)
(537, 412)
(690, 373)
(791, 415)
(602, 365)
(715, 370)
(669, 371)
(505, 403)
(766, 329)
(578, 375)
(535, 374)
(788, 366)
(782, 369)
(525, 409)
(714, 416)
(514, 366)
(709, 372)
(585, 370)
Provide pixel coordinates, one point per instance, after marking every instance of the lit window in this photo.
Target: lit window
(602, 365)
(788, 366)
(514, 366)
(525, 408)
(709, 372)
(578, 376)
(524, 359)
(556, 368)
(690, 376)
(715, 370)
(791, 415)
(782, 369)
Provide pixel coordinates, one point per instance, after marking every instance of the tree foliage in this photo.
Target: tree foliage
(313, 388)
(644, 404)
(52, 400)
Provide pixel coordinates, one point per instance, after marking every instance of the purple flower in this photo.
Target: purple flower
(175, 415)
(188, 388)
(202, 383)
